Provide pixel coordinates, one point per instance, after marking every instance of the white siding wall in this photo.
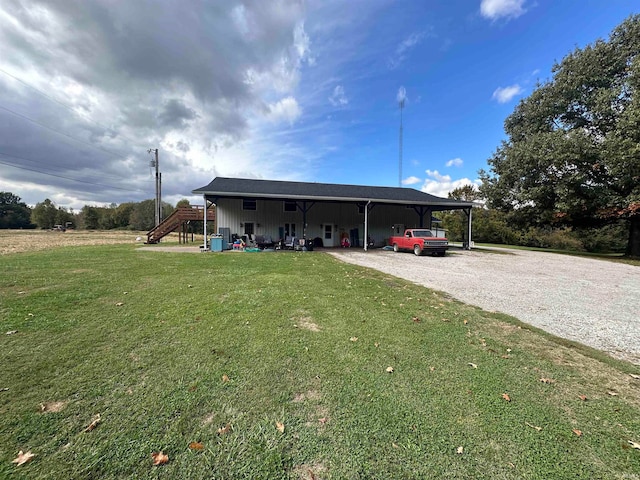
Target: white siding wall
(270, 216)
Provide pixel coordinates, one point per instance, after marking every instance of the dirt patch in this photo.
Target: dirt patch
(312, 395)
(309, 471)
(307, 324)
(208, 420)
(52, 407)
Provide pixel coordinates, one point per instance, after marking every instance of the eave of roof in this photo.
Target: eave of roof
(275, 189)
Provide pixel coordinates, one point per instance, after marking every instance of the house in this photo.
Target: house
(325, 211)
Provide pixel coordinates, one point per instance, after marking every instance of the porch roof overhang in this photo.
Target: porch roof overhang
(222, 187)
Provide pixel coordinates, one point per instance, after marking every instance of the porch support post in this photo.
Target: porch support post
(421, 210)
(469, 215)
(366, 226)
(205, 223)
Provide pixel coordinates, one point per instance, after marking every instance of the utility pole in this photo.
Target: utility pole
(158, 205)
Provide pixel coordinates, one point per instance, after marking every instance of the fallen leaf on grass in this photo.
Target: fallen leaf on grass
(119, 304)
(473, 365)
(159, 458)
(546, 380)
(633, 375)
(532, 426)
(508, 350)
(577, 432)
(395, 445)
(376, 344)
(505, 356)
(634, 445)
(582, 397)
(225, 378)
(354, 339)
(12, 332)
(23, 458)
(613, 394)
(5, 389)
(432, 369)
(196, 446)
(322, 420)
(465, 321)
(460, 450)
(225, 429)
(280, 427)
(416, 319)
(506, 397)
(389, 370)
(94, 423)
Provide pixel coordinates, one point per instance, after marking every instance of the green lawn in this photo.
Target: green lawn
(145, 338)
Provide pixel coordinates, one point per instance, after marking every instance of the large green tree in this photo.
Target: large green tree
(13, 212)
(572, 156)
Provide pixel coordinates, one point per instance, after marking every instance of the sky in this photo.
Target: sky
(276, 90)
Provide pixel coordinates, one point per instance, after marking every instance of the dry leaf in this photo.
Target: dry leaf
(11, 332)
(577, 432)
(280, 427)
(505, 356)
(508, 350)
(634, 445)
(4, 389)
(225, 378)
(159, 458)
(225, 429)
(472, 365)
(460, 450)
(416, 319)
(354, 339)
(465, 321)
(432, 369)
(119, 304)
(546, 380)
(94, 423)
(376, 344)
(532, 426)
(613, 394)
(322, 420)
(389, 370)
(506, 397)
(23, 458)
(395, 445)
(633, 375)
(196, 446)
(582, 397)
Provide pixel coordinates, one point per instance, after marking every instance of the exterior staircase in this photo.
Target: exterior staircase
(179, 219)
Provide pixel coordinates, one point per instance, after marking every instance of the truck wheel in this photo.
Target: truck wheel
(417, 250)
(395, 247)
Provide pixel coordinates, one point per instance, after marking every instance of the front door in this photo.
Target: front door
(328, 236)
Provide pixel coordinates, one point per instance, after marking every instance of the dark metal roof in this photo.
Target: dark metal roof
(250, 188)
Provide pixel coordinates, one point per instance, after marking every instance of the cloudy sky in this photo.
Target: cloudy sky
(282, 90)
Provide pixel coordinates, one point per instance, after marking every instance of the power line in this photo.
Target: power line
(59, 132)
(68, 107)
(67, 178)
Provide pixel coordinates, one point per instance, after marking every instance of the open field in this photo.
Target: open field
(274, 366)
(16, 241)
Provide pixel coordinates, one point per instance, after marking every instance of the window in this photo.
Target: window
(290, 206)
(290, 229)
(248, 228)
(328, 230)
(249, 204)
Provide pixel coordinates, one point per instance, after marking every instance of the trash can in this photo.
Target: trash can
(216, 244)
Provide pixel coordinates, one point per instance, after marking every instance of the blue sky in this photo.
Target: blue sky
(283, 90)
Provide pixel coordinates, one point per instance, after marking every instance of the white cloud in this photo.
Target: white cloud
(403, 49)
(411, 180)
(338, 97)
(505, 94)
(495, 9)
(286, 109)
(455, 162)
(440, 185)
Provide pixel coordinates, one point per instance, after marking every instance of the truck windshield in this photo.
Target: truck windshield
(422, 233)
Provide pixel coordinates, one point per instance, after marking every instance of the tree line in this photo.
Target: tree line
(14, 213)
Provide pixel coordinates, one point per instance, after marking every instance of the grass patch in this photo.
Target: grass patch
(217, 349)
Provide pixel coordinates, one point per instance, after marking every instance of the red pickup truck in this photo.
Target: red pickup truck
(421, 241)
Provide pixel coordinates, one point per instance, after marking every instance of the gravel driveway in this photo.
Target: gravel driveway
(594, 302)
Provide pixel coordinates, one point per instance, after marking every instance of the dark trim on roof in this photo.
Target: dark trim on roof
(223, 187)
